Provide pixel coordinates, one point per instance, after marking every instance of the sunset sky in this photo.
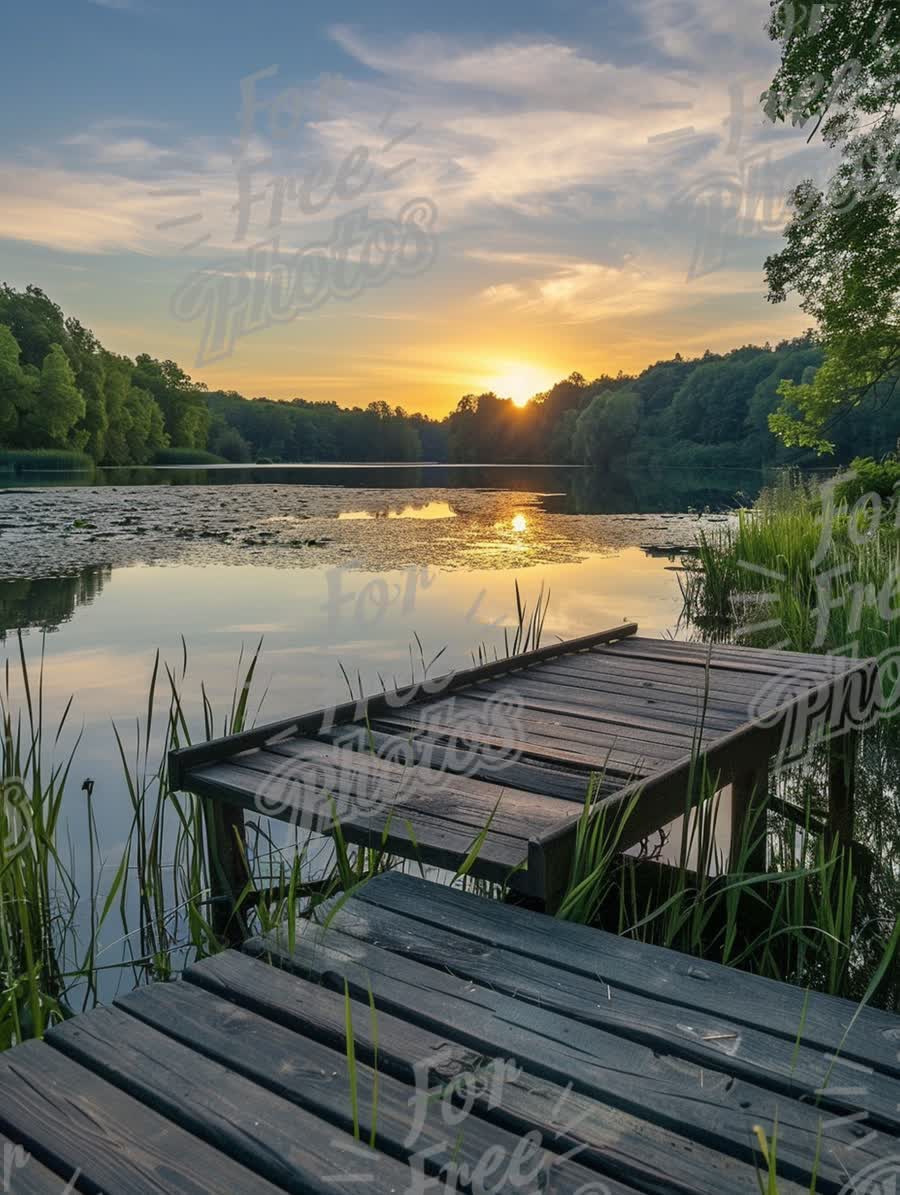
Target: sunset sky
(603, 187)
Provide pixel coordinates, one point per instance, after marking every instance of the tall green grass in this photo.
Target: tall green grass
(799, 572)
(797, 920)
(145, 912)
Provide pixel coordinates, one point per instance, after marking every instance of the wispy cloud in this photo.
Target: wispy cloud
(569, 181)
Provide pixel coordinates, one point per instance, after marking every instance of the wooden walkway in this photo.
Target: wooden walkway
(516, 743)
(557, 1058)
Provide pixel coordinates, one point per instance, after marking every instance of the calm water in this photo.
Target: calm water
(341, 567)
(329, 567)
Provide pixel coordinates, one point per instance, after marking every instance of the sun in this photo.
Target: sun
(521, 382)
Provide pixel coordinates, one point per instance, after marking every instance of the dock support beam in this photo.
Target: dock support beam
(749, 817)
(226, 840)
(842, 751)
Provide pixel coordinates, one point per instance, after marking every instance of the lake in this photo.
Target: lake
(360, 571)
(349, 576)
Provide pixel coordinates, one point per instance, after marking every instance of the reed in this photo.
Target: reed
(808, 574)
(798, 922)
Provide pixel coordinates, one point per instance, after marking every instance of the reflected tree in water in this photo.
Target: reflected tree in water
(45, 603)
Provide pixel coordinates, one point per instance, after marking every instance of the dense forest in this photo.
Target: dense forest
(61, 390)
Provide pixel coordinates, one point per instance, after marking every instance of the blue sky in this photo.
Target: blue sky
(603, 188)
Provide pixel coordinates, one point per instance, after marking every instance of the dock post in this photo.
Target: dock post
(228, 872)
(749, 817)
(842, 751)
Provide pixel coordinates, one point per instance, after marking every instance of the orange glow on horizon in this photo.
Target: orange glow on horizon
(521, 382)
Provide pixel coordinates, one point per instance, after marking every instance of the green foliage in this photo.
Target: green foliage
(796, 571)
(606, 428)
(13, 383)
(710, 412)
(23, 460)
(228, 443)
(60, 405)
(871, 477)
(35, 321)
(840, 74)
(713, 404)
(145, 432)
(181, 401)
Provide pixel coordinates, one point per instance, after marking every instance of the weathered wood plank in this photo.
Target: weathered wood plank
(629, 744)
(23, 1174)
(469, 792)
(692, 693)
(183, 760)
(749, 660)
(288, 1146)
(604, 707)
(359, 783)
(431, 841)
(65, 1115)
(659, 690)
(350, 798)
(634, 710)
(779, 658)
(710, 1039)
(764, 691)
(690, 674)
(662, 796)
(295, 1066)
(653, 971)
(541, 748)
(529, 775)
(605, 1136)
(705, 1103)
(530, 739)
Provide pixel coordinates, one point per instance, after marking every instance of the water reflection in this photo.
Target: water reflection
(566, 489)
(416, 510)
(48, 602)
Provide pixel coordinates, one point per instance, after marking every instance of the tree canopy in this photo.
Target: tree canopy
(840, 78)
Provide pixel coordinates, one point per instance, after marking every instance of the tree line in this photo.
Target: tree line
(61, 389)
(710, 411)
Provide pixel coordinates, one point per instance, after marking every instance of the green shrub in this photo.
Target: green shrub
(871, 477)
(22, 460)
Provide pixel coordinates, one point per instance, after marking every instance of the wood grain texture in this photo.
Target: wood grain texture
(73, 1121)
(623, 1067)
(605, 1136)
(653, 971)
(22, 1173)
(316, 1077)
(657, 1083)
(289, 1146)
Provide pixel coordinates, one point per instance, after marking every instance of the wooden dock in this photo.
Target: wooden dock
(492, 1049)
(516, 743)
